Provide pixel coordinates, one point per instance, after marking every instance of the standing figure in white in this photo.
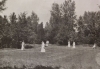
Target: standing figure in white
(23, 44)
(47, 43)
(68, 43)
(74, 45)
(94, 46)
(42, 47)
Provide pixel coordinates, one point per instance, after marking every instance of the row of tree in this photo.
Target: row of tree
(89, 27)
(15, 29)
(62, 27)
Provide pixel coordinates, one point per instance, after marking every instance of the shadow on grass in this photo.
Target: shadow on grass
(37, 67)
(42, 67)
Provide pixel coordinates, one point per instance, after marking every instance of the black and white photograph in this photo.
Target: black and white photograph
(49, 34)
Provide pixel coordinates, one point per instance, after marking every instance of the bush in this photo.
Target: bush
(27, 46)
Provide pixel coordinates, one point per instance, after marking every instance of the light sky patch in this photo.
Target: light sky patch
(42, 7)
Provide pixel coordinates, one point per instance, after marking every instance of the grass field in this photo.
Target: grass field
(67, 58)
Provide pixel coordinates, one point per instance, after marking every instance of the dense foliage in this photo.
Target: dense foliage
(17, 28)
(89, 26)
(61, 23)
(62, 27)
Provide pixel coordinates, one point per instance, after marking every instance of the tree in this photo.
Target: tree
(40, 32)
(35, 21)
(32, 24)
(55, 20)
(88, 27)
(13, 30)
(48, 30)
(13, 24)
(83, 30)
(68, 18)
(5, 39)
(62, 22)
(5, 26)
(91, 21)
(2, 5)
(2, 8)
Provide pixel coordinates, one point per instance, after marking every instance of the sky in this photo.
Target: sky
(42, 7)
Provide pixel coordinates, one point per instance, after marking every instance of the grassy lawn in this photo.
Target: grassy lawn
(68, 58)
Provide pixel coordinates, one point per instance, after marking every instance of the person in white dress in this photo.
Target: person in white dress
(47, 43)
(42, 47)
(74, 45)
(23, 44)
(94, 46)
(68, 43)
